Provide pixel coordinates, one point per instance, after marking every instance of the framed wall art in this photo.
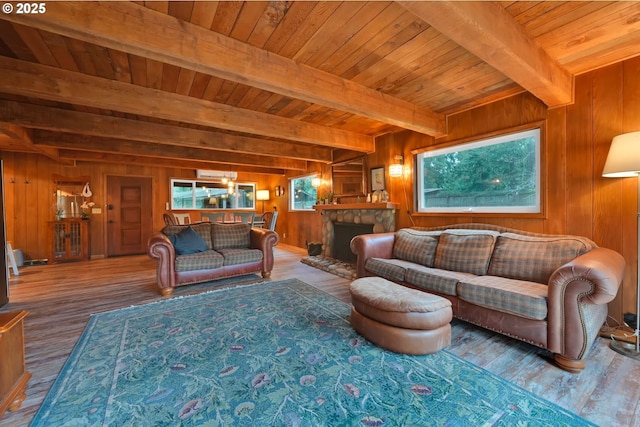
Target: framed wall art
(377, 178)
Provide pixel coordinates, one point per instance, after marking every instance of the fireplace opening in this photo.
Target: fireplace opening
(343, 232)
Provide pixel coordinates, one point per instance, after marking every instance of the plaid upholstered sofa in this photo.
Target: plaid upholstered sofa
(196, 253)
(548, 290)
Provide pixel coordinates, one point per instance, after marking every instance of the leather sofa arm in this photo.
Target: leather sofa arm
(265, 240)
(592, 279)
(161, 249)
(367, 246)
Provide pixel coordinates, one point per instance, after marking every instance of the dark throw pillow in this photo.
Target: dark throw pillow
(188, 242)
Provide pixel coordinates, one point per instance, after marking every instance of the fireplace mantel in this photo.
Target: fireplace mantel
(381, 215)
(348, 206)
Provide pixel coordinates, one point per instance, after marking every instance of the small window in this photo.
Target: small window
(303, 194)
(496, 175)
(186, 194)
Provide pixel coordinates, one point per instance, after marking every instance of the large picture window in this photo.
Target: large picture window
(303, 194)
(187, 194)
(496, 175)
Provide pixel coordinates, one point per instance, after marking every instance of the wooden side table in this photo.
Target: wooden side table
(13, 375)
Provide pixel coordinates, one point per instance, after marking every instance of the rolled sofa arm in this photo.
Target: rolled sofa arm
(160, 248)
(265, 240)
(577, 297)
(367, 246)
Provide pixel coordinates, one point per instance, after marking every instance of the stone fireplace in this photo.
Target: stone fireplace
(382, 216)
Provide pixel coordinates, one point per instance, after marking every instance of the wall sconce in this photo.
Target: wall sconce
(279, 191)
(262, 195)
(315, 182)
(396, 169)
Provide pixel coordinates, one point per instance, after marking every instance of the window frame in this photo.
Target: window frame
(535, 210)
(292, 192)
(194, 184)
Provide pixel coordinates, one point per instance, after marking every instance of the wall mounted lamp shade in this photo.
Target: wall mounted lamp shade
(623, 161)
(262, 195)
(396, 169)
(315, 182)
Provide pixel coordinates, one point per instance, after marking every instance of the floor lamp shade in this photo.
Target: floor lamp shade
(262, 195)
(623, 161)
(624, 156)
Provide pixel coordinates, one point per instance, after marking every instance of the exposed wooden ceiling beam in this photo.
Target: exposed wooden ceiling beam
(21, 136)
(113, 145)
(167, 39)
(488, 31)
(54, 84)
(39, 117)
(92, 156)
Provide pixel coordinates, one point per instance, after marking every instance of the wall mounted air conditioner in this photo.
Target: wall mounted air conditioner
(202, 173)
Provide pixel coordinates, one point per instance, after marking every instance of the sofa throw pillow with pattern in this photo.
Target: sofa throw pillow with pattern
(188, 241)
(466, 251)
(204, 231)
(534, 258)
(416, 246)
(231, 236)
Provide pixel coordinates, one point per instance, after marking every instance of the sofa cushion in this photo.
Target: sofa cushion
(391, 269)
(240, 256)
(204, 231)
(199, 261)
(467, 251)
(534, 258)
(187, 241)
(518, 297)
(173, 229)
(435, 280)
(230, 236)
(416, 246)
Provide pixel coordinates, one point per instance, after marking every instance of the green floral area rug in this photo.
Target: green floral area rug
(270, 354)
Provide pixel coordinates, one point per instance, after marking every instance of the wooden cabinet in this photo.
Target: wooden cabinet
(69, 240)
(13, 374)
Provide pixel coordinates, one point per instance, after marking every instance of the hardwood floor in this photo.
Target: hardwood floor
(60, 298)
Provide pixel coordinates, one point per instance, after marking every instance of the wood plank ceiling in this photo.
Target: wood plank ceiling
(270, 86)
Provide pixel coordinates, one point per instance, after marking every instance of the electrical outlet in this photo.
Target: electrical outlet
(284, 235)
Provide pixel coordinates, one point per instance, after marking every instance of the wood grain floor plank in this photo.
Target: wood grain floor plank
(62, 297)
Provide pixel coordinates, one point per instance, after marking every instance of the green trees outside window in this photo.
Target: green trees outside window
(303, 194)
(500, 174)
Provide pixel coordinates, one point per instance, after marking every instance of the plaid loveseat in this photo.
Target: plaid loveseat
(196, 253)
(548, 290)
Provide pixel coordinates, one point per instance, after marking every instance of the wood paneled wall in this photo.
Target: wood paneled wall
(303, 227)
(29, 195)
(578, 200)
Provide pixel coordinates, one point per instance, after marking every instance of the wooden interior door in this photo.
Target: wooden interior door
(129, 215)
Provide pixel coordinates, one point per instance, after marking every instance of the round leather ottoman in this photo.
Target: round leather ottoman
(398, 318)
